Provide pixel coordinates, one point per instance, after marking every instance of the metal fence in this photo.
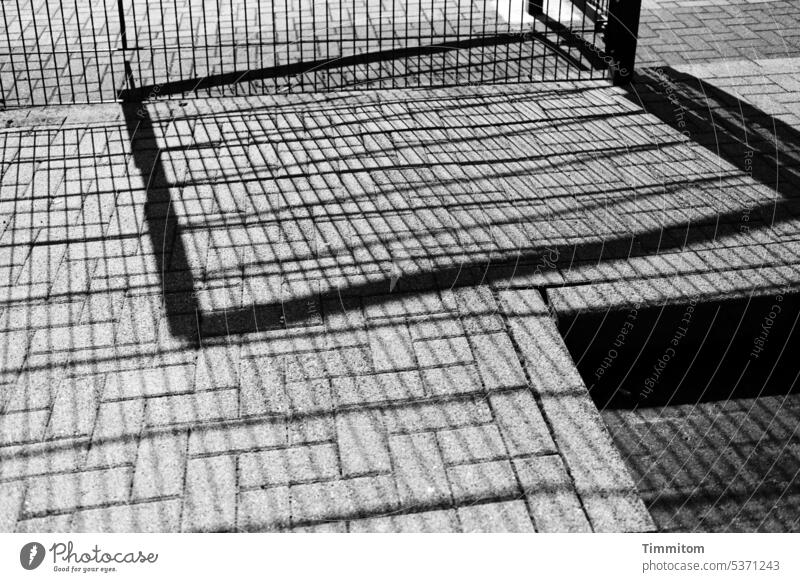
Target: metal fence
(79, 51)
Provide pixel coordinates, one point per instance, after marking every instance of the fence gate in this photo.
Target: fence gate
(83, 51)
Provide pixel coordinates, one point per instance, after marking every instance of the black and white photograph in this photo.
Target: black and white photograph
(400, 267)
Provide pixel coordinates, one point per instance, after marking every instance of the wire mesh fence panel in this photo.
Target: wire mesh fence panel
(70, 51)
(67, 51)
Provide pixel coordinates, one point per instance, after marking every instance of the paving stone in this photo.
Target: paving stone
(48, 524)
(74, 408)
(11, 496)
(476, 300)
(312, 397)
(343, 314)
(327, 363)
(471, 444)
(521, 423)
(400, 305)
(23, 427)
(435, 327)
(55, 493)
(217, 367)
(452, 380)
(439, 414)
(122, 418)
(550, 494)
(311, 429)
(160, 462)
(344, 499)
(361, 437)
(328, 528)
(74, 337)
(149, 382)
(443, 352)
(209, 502)
(116, 433)
(264, 510)
(288, 466)
(419, 470)
(198, 407)
(151, 517)
(261, 389)
(237, 437)
(41, 459)
(482, 481)
(482, 324)
(14, 351)
(440, 521)
(501, 517)
(34, 389)
(391, 348)
(497, 362)
(351, 391)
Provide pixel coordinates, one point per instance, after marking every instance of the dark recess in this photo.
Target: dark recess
(685, 353)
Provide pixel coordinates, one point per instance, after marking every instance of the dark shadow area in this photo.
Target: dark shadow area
(687, 353)
(161, 224)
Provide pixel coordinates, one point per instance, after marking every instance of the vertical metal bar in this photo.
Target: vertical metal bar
(2, 72)
(444, 42)
(469, 50)
(301, 40)
(328, 41)
(234, 48)
(275, 39)
(164, 40)
(10, 54)
(193, 72)
(556, 57)
(621, 36)
(288, 44)
(178, 40)
(128, 69)
(39, 53)
(494, 48)
(123, 30)
(483, 38)
(24, 54)
(110, 48)
(247, 46)
(260, 41)
(205, 38)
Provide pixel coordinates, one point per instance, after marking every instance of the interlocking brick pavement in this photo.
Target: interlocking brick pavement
(325, 393)
(332, 312)
(696, 31)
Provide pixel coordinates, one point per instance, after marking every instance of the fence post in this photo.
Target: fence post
(123, 32)
(622, 30)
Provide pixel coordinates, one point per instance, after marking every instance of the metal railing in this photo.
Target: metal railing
(82, 51)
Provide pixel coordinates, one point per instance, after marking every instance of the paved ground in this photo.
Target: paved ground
(332, 312)
(701, 31)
